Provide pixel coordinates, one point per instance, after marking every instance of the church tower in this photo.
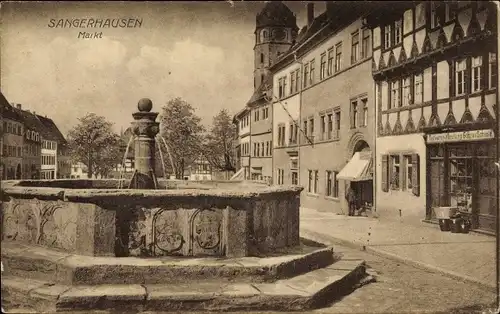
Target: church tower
(275, 32)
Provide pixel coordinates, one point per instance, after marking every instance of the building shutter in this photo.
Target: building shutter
(416, 174)
(385, 173)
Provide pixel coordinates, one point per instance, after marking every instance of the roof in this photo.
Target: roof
(261, 91)
(51, 130)
(7, 111)
(31, 121)
(275, 13)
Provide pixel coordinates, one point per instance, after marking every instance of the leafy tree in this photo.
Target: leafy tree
(219, 149)
(182, 131)
(93, 142)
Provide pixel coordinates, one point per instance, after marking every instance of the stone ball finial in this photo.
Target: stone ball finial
(145, 105)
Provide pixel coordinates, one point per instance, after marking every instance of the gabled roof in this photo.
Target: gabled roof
(31, 121)
(262, 90)
(52, 131)
(7, 111)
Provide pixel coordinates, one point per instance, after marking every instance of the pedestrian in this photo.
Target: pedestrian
(351, 200)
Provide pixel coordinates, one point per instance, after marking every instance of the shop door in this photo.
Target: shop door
(436, 181)
(486, 197)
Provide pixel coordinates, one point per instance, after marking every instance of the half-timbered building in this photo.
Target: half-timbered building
(435, 68)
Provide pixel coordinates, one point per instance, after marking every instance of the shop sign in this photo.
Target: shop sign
(465, 136)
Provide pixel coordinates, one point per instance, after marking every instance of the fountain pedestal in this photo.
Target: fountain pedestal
(145, 129)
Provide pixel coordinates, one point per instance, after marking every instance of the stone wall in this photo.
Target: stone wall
(186, 222)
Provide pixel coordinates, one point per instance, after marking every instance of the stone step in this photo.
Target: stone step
(307, 291)
(63, 268)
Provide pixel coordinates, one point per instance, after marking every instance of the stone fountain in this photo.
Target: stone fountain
(163, 245)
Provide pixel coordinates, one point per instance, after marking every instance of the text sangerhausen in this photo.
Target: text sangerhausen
(95, 23)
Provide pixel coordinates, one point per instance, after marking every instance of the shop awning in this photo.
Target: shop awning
(359, 168)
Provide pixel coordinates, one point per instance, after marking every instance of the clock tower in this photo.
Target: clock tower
(275, 32)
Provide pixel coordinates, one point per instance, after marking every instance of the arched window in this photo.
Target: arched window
(265, 34)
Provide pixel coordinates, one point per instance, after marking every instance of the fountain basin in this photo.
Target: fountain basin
(90, 217)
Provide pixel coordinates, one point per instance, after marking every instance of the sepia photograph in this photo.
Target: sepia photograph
(250, 157)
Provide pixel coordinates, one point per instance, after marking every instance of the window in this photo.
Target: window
(322, 127)
(295, 178)
(281, 135)
(256, 115)
(305, 127)
(409, 173)
(281, 87)
(292, 82)
(450, 11)
(387, 36)
(338, 57)
(261, 78)
(254, 149)
(365, 44)
(322, 70)
(354, 47)
(261, 58)
(364, 119)
(460, 68)
(310, 182)
(337, 124)
(354, 114)
(406, 91)
(316, 182)
(434, 15)
(262, 152)
(493, 70)
(265, 113)
(418, 88)
(311, 72)
(281, 175)
(294, 163)
(330, 61)
(395, 172)
(330, 126)
(311, 128)
(477, 63)
(332, 188)
(297, 80)
(19, 152)
(395, 98)
(398, 31)
(306, 74)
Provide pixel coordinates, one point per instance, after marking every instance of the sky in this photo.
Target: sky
(199, 51)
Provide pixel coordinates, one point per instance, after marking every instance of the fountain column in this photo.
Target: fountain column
(145, 129)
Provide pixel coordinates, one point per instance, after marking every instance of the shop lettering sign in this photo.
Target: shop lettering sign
(476, 135)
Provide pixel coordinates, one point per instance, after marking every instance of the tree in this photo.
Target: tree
(182, 131)
(219, 142)
(90, 142)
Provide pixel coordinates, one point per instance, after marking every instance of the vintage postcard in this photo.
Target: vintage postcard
(249, 156)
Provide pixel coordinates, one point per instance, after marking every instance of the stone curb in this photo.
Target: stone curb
(44, 264)
(322, 238)
(305, 292)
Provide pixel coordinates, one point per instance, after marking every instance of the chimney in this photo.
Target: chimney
(19, 106)
(310, 13)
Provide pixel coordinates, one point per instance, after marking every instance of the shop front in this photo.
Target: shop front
(462, 174)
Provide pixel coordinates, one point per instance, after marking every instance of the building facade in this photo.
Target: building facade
(12, 142)
(29, 145)
(324, 112)
(275, 31)
(435, 67)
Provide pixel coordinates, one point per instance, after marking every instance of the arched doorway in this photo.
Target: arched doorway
(357, 174)
(18, 172)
